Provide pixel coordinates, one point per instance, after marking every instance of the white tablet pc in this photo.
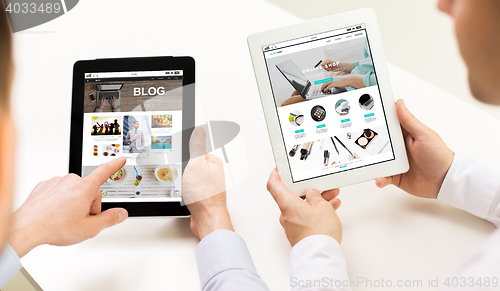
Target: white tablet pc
(328, 102)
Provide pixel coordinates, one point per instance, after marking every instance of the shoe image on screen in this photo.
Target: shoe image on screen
(342, 107)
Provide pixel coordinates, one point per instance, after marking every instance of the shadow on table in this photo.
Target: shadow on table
(179, 228)
(144, 231)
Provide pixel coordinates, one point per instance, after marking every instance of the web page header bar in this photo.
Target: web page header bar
(101, 75)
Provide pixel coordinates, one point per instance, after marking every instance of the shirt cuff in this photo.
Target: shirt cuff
(472, 185)
(318, 258)
(220, 251)
(9, 264)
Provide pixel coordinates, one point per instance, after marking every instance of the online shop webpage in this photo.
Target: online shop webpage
(328, 103)
(137, 115)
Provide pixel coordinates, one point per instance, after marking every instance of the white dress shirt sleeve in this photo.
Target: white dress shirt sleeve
(473, 185)
(9, 264)
(317, 263)
(224, 263)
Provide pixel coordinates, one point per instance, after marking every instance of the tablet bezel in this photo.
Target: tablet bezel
(187, 64)
(364, 16)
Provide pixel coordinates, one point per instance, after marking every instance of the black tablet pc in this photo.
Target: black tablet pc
(142, 109)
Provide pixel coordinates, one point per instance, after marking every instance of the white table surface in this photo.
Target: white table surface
(387, 233)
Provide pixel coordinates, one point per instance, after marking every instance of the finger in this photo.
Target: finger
(405, 133)
(328, 195)
(107, 219)
(335, 203)
(313, 196)
(95, 207)
(279, 191)
(197, 143)
(330, 85)
(325, 85)
(382, 182)
(409, 122)
(326, 65)
(102, 173)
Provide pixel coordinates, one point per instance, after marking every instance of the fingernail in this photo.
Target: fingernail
(122, 215)
(313, 190)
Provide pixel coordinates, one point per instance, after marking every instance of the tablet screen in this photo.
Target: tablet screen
(328, 102)
(137, 115)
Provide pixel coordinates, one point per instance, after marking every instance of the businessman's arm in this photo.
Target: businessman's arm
(9, 264)
(224, 262)
(127, 139)
(318, 258)
(61, 211)
(314, 231)
(436, 172)
(474, 186)
(464, 182)
(64, 211)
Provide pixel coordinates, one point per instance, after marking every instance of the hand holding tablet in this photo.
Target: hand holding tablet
(302, 218)
(430, 158)
(346, 99)
(205, 188)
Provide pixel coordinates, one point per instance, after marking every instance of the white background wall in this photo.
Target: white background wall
(417, 38)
